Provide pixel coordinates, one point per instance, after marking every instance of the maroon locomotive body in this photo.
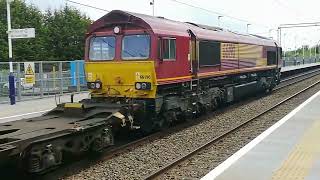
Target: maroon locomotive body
(144, 73)
(176, 69)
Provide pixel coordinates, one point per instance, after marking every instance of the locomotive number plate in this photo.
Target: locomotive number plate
(143, 76)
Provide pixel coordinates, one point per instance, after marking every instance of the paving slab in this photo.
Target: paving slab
(290, 149)
(35, 107)
(301, 66)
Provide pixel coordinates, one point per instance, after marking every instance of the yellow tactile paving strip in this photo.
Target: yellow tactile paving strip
(302, 157)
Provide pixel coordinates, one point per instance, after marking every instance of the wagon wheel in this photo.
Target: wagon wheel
(166, 120)
(163, 123)
(214, 104)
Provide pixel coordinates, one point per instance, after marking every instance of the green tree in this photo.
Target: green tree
(22, 16)
(59, 33)
(3, 34)
(66, 30)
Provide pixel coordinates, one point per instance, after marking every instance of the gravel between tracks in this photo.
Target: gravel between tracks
(144, 159)
(206, 160)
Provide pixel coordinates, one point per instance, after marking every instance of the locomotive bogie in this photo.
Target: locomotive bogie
(175, 71)
(144, 73)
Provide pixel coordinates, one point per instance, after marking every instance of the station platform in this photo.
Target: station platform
(34, 107)
(290, 149)
(302, 66)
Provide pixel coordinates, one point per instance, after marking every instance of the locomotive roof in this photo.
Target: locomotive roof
(163, 26)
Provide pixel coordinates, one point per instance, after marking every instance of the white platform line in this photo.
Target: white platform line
(26, 114)
(232, 159)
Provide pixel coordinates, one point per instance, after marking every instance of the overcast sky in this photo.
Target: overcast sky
(264, 15)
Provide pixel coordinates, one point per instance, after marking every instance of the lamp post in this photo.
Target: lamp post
(310, 50)
(248, 28)
(288, 59)
(279, 35)
(152, 4)
(11, 76)
(295, 45)
(270, 30)
(315, 51)
(219, 17)
(9, 36)
(318, 50)
(303, 48)
(284, 43)
(289, 50)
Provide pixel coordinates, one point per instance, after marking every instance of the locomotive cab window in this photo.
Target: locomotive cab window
(102, 48)
(135, 47)
(167, 49)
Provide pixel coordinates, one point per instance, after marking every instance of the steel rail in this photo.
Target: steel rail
(307, 75)
(300, 75)
(114, 151)
(123, 148)
(216, 139)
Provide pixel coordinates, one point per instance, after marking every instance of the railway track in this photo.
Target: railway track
(297, 78)
(175, 162)
(125, 147)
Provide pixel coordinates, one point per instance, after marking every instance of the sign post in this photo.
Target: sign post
(12, 93)
(15, 34)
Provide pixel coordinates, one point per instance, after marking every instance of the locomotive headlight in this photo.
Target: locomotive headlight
(138, 86)
(98, 85)
(94, 85)
(117, 30)
(143, 86)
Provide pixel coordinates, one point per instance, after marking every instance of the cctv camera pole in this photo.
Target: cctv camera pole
(11, 75)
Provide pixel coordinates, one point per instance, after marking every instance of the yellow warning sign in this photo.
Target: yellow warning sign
(29, 74)
(29, 80)
(29, 70)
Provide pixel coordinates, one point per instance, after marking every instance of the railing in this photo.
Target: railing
(294, 61)
(60, 77)
(51, 78)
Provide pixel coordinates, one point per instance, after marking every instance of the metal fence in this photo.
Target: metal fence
(51, 78)
(293, 61)
(60, 77)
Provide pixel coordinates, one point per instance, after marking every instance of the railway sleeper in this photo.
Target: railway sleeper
(90, 124)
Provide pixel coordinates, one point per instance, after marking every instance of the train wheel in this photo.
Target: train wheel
(214, 104)
(40, 158)
(163, 123)
(103, 140)
(166, 120)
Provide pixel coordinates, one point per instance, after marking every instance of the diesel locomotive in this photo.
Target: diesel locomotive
(144, 73)
(163, 71)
